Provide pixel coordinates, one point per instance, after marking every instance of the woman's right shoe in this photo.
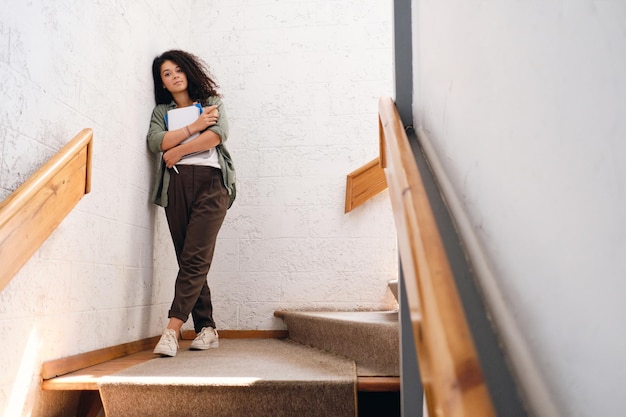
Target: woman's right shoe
(168, 344)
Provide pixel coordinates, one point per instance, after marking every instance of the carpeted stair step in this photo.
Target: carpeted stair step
(370, 338)
(242, 377)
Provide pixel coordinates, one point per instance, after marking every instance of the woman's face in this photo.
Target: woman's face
(173, 78)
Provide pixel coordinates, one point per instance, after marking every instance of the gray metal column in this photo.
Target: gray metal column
(411, 391)
(403, 59)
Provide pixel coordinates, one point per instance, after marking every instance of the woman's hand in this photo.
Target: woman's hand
(207, 119)
(171, 157)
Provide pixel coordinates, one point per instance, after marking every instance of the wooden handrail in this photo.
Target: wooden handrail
(450, 370)
(30, 214)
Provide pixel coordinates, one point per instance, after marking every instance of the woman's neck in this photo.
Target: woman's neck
(182, 99)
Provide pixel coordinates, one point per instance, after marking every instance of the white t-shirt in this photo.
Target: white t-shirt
(206, 158)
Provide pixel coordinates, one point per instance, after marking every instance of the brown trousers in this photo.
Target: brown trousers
(197, 204)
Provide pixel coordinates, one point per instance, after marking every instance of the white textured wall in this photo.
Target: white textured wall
(66, 66)
(300, 82)
(523, 103)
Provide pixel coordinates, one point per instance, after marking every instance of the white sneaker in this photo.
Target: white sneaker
(206, 339)
(168, 345)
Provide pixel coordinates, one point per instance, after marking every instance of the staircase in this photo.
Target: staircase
(370, 338)
(329, 363)
(314, 372)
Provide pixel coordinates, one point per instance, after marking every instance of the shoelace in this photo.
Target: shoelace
(169, 337)
(205, 334)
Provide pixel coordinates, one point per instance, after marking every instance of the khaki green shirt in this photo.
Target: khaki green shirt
(157, 131)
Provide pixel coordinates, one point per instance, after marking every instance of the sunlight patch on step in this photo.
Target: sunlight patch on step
(182, 380)
(24, 377)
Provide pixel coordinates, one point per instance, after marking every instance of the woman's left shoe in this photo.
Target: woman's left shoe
(207, 338)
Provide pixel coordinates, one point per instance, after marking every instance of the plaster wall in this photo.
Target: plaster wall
(521, 104)
(300, 82)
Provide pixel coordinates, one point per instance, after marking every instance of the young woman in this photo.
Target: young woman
(195, 182)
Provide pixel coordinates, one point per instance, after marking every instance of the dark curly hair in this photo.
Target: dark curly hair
(200, 84)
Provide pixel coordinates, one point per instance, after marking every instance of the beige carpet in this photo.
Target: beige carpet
(243, 377)
(371, 338)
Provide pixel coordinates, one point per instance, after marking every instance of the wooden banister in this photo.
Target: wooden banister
(30, 214)
(449, 366)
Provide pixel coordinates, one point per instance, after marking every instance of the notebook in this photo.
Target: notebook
(182, 116)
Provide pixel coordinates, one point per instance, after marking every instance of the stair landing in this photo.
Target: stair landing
(269, 376)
